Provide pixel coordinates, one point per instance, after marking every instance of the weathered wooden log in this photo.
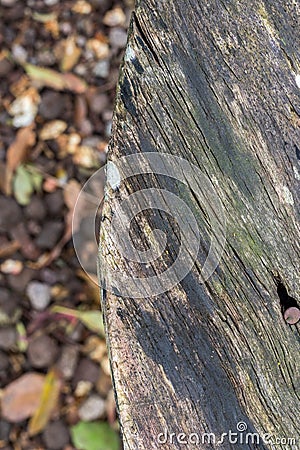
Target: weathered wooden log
(218, 84)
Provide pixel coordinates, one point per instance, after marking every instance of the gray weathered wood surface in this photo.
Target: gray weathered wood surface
(215, 83)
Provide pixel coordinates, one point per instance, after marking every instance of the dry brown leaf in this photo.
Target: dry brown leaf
(21, 398)
(81, 111)
(9, 249)
(55, 80)
(17, 153)
(2, 177)
(92, 284)
(43, 18)
(71, 193)
(45, 77)
(53, 27)
(111, 407)
(74, 83)
(48, 402)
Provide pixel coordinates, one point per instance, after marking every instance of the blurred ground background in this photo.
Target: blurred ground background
(59, 63)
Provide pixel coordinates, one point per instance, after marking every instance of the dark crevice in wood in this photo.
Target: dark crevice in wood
(286, 301)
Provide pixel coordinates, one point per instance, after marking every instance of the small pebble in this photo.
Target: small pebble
(83, 388)
(8, 302)
(49, 276)
(8, 338)
(56, 435)
(114, 17)
(20, 282)
(36, 209)
(108, 127)
(11, 266)
(98, 103)
(8, 3)
(101, 69)
(81, 70)
(50, 234)
(5, 67)
(68, 361)
(28, 248)
(65, 27)
(86, 371)
(19, 53)
(46, 58)
(107, 115)
(86, 128)
(4, 430)
(102, 5)
(4, 362)
(92, 408)
(10, 213)
(55, 203)
(105, 365)
(104, 385)
(42, 352)
(39, 295)
(76, 334)
(118, 37)
(33, 227)
(81, 41)
(52, 105)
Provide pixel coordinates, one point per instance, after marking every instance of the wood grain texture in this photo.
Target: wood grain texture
(214, 83)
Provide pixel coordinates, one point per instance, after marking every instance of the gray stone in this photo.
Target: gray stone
(101, 69)
(39, 295)
(118, 37)
(42, 352)
(68, 361)
(92, 408)
(56, 435)
(8, 338)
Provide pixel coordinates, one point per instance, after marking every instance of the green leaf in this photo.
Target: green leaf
(26, 180)
(91, 319)
(23, 187)
(94, 436)
(36, 178)
(47, 77)
(22, 341)
(48, 403)
(56, 80)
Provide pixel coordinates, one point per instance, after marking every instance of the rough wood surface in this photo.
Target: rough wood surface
(214, 83)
